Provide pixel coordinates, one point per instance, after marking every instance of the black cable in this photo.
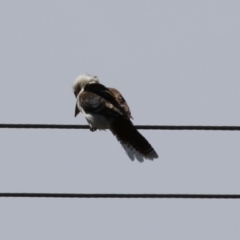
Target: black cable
(44, 126)
(143, 127)
(120, 195)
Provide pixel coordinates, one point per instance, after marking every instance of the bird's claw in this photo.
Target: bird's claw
(92, 129)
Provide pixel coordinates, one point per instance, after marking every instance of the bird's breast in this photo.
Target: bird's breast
(98, 121)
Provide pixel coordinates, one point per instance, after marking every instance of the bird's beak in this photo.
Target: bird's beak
(77, 111)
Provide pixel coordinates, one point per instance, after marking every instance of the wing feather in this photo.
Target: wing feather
(93, 103)
(121, 101)
(96, 98)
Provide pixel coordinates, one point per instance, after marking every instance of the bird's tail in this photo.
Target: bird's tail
(135, 145)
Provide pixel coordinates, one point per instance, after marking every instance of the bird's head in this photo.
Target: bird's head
(79, 84)
(81, 81)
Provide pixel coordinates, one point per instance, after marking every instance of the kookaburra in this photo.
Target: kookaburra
(105, 108)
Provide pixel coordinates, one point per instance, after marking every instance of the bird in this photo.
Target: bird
(105, 109)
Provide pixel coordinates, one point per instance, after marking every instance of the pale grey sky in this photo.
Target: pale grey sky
(175, 62)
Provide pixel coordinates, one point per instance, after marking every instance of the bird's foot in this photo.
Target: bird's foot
(92, 129)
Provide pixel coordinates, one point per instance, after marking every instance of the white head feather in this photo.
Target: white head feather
(81, 81)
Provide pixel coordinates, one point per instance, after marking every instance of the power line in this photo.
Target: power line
(120, 195)
(142, 127)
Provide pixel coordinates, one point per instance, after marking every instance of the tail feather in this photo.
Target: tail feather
(135, 145)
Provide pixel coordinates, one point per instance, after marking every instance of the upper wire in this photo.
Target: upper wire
(142, 127)
(120, 195)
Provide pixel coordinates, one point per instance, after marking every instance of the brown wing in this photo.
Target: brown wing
(121, 101)
(111, 96)
(94, 103)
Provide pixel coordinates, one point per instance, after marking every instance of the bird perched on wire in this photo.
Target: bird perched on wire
(105, 108)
